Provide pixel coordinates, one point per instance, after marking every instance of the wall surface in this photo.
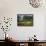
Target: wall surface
(10, 8)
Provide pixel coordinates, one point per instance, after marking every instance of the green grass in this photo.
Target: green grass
(25, 22)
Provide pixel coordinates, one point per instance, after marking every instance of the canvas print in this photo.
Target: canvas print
(24, 19)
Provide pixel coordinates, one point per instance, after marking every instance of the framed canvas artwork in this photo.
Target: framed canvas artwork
(24, 19)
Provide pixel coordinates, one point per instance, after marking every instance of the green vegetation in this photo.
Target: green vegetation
(26, 21)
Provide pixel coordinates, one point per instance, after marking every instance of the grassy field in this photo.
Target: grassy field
(25, 22)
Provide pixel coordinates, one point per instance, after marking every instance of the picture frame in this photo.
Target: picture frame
(24, 19)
